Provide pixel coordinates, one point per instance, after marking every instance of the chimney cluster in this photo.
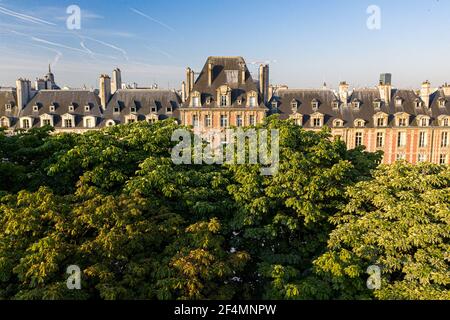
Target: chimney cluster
(116, 83)
(385, 87)
(425, 93)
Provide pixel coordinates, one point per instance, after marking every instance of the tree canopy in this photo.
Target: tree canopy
(141, 227)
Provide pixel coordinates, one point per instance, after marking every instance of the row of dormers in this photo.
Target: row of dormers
(355, 103)
(380, 120)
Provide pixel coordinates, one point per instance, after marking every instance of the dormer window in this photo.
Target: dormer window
(380, 122)
(274, 106)
(315, 104)
(8, 107)
(71, 108)
(424, 122)
(298, 119)
(252, 101)
(356, 104)
(442, 102)
(133, 109)
(402, 120)
(169, 109)
(444, 121)
(116, 109)
(36, 108)
(338, 123)
(417, 103)
(377, 104)
(294, 106)
(317, 120)
(335, 104)
(87, 108)
(239, 102)
(52, 107)
(398, 102)
(359, 123)
(153, 109)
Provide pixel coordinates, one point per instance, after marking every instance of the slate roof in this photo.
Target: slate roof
(62, 99)
(366, 111)
(146, 102)
(226, 71)
(8, 96)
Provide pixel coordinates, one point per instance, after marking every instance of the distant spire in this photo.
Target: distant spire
(49, 68)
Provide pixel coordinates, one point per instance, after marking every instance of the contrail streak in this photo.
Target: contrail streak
(151, 19)
(57, 57)
(24, 17)
(124, 53)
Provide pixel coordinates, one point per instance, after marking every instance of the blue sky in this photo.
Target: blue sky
(306, 42)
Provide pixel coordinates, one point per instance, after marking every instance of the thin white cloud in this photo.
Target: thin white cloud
(152, 19)
(24, 17)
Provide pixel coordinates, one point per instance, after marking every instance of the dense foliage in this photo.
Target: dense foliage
(140, 227)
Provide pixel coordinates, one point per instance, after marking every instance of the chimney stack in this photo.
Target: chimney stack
(23, 90)
(264, 81)
(116, 83)
(446, 89)
(385, 87)
(210, 74)
(105, 90)
(243, 73)
(343, 92)
(425, 93)
(183, 91)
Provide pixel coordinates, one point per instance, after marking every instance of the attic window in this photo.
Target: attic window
(116, 109)
(52, 108)
(359, 123)
(274, 106)
(239, 102)
(153, 109)
(377, 104)
(338, 123)
(417, 103)
(133, 109)
(71, 108)
(356, 104)
(87, 108)
(315, 104)
(335, 104)
(35, 108)
(442, 103)
(294, 106)
(169, 109)
(8, 107)
(398, 102)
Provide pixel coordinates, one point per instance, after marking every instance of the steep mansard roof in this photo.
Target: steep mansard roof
(8, 97)
(146, 102)
(226, 71)
(61, 100)
(366, 111)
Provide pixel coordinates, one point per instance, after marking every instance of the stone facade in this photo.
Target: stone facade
(405, 124)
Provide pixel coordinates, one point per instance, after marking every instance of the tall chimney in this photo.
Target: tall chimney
(270, 93)
(385, 87)
(192, 81)
(183, 91)
(116, 83)
(425, 93)
(243, 73)
(188, 82)
(23, 91)
(264, 81)
(210, 75)
(105, 90)
(343, 92)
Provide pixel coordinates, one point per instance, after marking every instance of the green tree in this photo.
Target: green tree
(400, 221)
